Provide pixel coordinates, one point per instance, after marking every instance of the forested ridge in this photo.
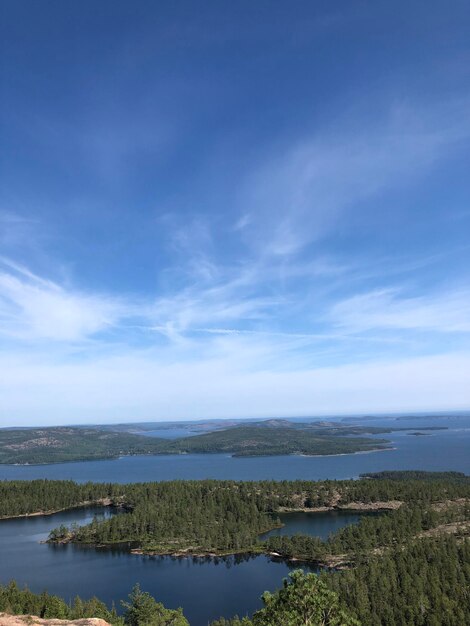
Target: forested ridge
(264, 440)
(66, 443)
(61, 444)
(269, 437)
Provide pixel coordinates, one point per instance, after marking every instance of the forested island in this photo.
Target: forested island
(271, 437)
(63, 443)
(407, 565)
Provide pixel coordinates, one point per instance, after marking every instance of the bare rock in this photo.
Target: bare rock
(31, 620)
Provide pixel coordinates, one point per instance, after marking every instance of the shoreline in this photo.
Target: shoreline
(379, 506)
(227, 454)
(89, 503)
(387, 449)
(328, 561)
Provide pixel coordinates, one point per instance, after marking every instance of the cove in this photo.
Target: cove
(206, 588)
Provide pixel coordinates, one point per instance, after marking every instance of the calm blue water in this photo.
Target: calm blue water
(317, 524)
(169, 433)
(438, 451)
(205, 588)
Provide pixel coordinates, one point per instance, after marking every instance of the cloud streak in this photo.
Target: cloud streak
(389, 309)
(298, 195)
(32, 308)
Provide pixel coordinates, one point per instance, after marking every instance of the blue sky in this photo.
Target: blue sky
(233, 209)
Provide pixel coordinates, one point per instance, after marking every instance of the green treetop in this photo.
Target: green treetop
(144, 610)
(304, 600)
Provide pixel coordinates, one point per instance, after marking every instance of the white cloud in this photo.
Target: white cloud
(36, 309)
(388, 309)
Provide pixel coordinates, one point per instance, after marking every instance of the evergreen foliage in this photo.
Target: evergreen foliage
(372, 532)
(417, 475)
(427, 583)
(143, 610)
(227, 517)
(20, 497)
(304, 599)
(16, 601)
(424, 583)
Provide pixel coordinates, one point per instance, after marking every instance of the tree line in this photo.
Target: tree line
(140, 610)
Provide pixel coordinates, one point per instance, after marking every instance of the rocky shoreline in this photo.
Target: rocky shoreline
(32, 620)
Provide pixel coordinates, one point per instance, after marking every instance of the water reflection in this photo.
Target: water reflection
(206, 587)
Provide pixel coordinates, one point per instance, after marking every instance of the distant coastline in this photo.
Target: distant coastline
(178, 454)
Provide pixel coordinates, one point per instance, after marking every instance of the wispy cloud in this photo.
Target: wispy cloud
(391, 309)
(213, 305)
(34, 308)
(296, 196)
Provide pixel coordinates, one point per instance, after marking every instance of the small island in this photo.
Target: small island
(417, 433)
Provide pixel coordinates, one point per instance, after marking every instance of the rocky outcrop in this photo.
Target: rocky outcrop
(31, 620)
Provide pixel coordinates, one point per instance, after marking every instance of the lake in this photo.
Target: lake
(205, 588)
(318, 524)
(438, 450)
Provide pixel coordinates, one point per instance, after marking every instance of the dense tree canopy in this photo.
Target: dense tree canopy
(18, 601)
(143, 610)
(303, 600)
(426, 583)
(404, 568)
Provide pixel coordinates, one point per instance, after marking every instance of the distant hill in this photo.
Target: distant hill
(59, 444)
(260, 440)
(271, 437)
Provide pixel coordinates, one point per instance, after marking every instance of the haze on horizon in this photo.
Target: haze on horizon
(233, 210)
